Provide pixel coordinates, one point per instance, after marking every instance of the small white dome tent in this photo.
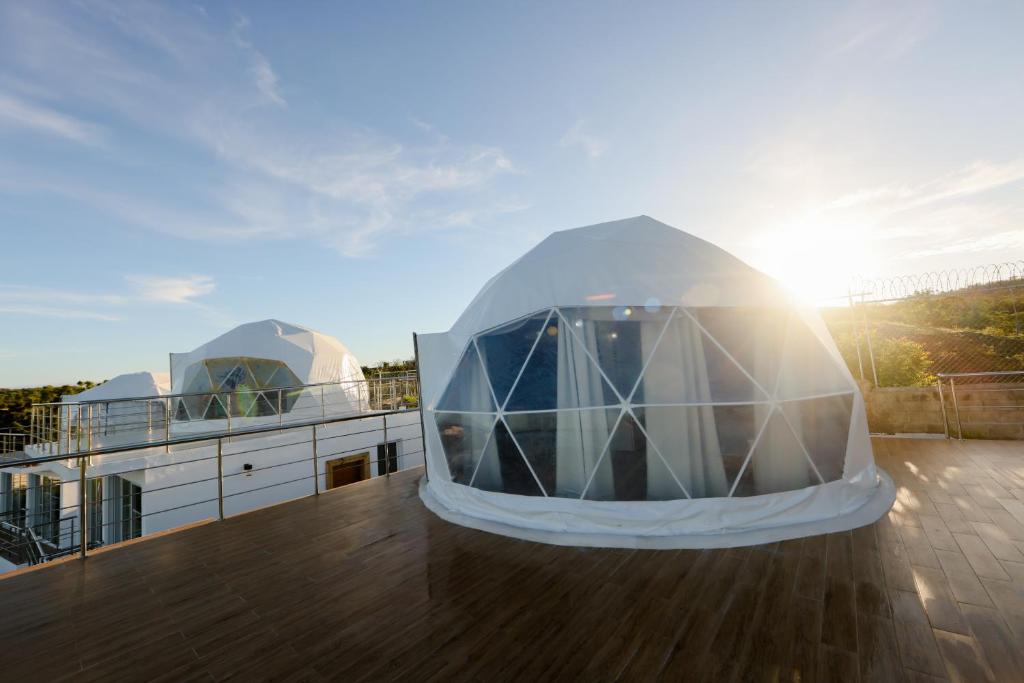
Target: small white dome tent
(259, 364)
(627, 384)
(111, 413)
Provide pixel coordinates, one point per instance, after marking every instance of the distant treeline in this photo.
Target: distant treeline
(389, 367)
(16, 404)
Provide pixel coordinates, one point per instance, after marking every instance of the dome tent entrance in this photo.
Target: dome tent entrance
(629, 384)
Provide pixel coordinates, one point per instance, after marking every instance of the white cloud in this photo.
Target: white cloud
(176, 290)
(23, 114)
(173, 72)
(577, 136)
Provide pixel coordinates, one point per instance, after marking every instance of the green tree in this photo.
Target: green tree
(902, 362)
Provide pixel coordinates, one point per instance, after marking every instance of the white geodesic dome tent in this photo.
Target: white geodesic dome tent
(108, 406)
(628, 384)
(261, 364)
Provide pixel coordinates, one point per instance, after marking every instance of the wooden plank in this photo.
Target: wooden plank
(962, 580)
(963, 658)
(939, 603)
(997, 642)
(982, 560)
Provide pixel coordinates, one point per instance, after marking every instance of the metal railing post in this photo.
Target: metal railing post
(88, 434)
(220, 481)
(229, 417)
(942, 407)
(387, 450)
(67, 427)
(78, 438)
(316, 468)
(867, 334)
(149, 419)
(956, 410)
(280, 413)
(82, 530)
(419, 403)
(167, 425)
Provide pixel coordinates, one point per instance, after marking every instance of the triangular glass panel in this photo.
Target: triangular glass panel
(620, 338)
(283, 377)
(688, 367)
(468, 390)
(563, 447)
(807, 368)
(263, 406)
(823, 425)
(215, 409)
(778, 462)
(560, 375)
(504, 351)
(631, 469)
(463, 438)
(262, 370)
(502, 467)
(754, 337)
(196, 405)
(705, 446)
(181, 411)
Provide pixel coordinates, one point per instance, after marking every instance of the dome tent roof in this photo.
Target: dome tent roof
(628, 384)
(313, 356)
(629, 261)
(128, 385)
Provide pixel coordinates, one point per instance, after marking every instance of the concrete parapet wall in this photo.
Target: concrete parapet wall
(987, 411)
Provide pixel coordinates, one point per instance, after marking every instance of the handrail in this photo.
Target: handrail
(980, 374)
(206, 436)
(164, 397)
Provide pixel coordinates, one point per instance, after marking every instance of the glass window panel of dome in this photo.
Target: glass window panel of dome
(560, 375)
(283, 377)
(563, 447)
(215, 409)
(504, 351)
(688, 367)
(807, 368)
(754, 337)
(619, 338)
(463, 437)
(823, 425)
(263, 370)
(632, 470)
(243, 402)
(467, 389)
(226, 373)
(704, 446)
(502, 467)
(777, 464)
(264, 406)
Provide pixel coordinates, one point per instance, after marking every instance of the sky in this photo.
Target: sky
(168, 171)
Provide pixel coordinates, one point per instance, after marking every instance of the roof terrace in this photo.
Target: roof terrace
(363, 583)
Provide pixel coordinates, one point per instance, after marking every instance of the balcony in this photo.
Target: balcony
(362, 582)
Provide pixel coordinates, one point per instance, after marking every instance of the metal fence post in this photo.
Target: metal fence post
(82, 530)
(856, 335)
(167, 425)
(220, 481)
(867, 334)
(942, 407)
(956, 410)
(387, 450)
(316, 468)
(419, 403)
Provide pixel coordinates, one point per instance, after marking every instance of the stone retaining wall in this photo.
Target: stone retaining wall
(917, 410)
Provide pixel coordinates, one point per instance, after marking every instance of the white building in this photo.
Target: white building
(628, 384)
(258, 375)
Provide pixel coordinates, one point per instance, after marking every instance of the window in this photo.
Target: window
(646, 403)
(347, 470)
(253, 387)
(387, 461)
(47, 525)
(94, 510)
(19, 488)
(130, 510)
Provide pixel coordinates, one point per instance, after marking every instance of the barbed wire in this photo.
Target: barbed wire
(981, 278)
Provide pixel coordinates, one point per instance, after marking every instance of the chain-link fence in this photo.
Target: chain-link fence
(910, 330)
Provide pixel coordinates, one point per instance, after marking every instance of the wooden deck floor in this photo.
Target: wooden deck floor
(364, 583)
